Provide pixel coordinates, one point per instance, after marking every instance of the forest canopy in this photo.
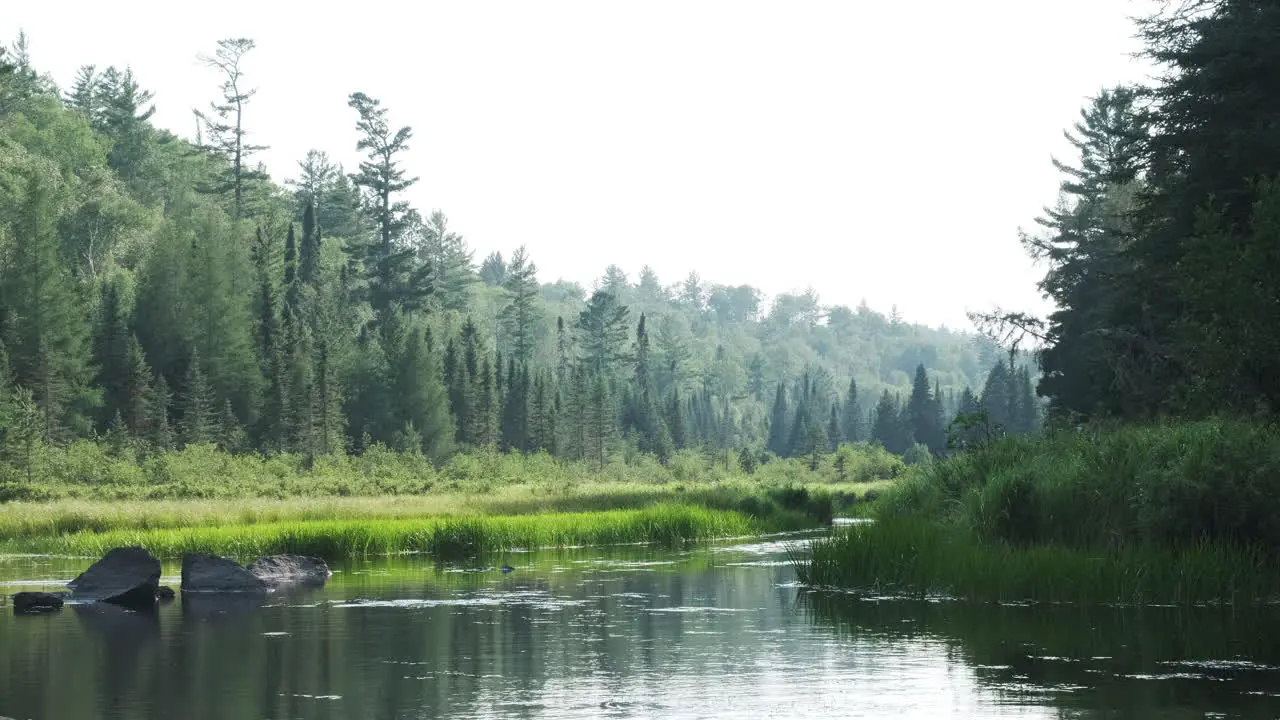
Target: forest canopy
(158, 292)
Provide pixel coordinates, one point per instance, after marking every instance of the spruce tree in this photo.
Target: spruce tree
(851, 421)
(520, 312)
(47, 336)
(834, 432)
(111, 352)
(162, 435)
(229, 433)
(137, 396)
(199, 421)
(421, 399)
(778, 429)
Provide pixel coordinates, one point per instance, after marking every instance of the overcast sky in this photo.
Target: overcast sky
(879, 150)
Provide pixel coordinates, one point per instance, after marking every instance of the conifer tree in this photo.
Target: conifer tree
(111, 352)
(309, 252)
(162, 435)
(834, 432)
(230, 435)
(199, 421)
(136, 401)
(851, 421)
(520, 312)
(47, 336)
(888, 429)
(421, 399)
(676, 424)
(225, 128)
(395, 275)
(778, 430)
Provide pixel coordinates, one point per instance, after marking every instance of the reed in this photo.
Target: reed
(669, 525)
(921, 558)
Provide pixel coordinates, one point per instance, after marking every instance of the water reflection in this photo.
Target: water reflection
(637, 633)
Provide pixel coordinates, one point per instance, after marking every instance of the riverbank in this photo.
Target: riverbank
(1170, 513)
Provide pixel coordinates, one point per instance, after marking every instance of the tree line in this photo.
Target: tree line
(1163, 244)
(158, 292)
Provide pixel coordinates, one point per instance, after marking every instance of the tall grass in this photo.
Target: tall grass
(921, 558)
(670, 525)
(21, 520)
(1178, 513)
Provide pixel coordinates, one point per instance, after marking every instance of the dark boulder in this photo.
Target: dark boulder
(290, 569)
(126, 576)
(164, 592)
(209, 573)
(36, 602)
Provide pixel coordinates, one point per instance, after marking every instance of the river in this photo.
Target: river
(634, 632)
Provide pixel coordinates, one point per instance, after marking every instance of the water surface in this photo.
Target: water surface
(631, 632)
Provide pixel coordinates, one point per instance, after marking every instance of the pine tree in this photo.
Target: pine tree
(199, 423)
(851, 420)
(452, 271)
(422, 401)
(309, 252)
(601, 422)
(162, 437)
(778, 430)
(755, 382)
(111, 352)
(834, 432)
(520, 312)
(230, 435)
(47, 336)
(395, 276)
(225, 126)
(676, 424)
(997, 396)
(602, 329)
(888, 429)
(137, 397)
(922, 412)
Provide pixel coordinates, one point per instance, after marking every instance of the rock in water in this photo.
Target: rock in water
(284, 569)
(36, 602)
(209, 573)
(126, 576)
(164, 592)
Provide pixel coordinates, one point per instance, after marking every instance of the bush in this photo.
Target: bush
(1109, 486)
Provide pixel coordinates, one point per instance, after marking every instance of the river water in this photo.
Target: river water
(634, 632)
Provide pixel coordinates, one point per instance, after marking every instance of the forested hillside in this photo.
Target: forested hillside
(161, 292)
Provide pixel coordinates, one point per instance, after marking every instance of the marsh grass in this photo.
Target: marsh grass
(669, 525)
(1162, 513)
(26, 520)
(920, 558)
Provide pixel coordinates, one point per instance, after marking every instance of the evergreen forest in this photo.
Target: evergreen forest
(160, 292)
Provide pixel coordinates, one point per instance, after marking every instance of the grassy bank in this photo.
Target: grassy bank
(1174, 513)
(670, 525)
(24, 520)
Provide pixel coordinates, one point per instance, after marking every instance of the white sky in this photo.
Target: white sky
(882, 150)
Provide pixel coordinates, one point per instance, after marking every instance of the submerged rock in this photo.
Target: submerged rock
(126, 576)
(287, 569)
(164, 592)
(36, 602)
(507, 569)
(210, 573)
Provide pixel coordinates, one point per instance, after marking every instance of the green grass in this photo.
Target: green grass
(670, 525)
(1166, 513)
(920, 558)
